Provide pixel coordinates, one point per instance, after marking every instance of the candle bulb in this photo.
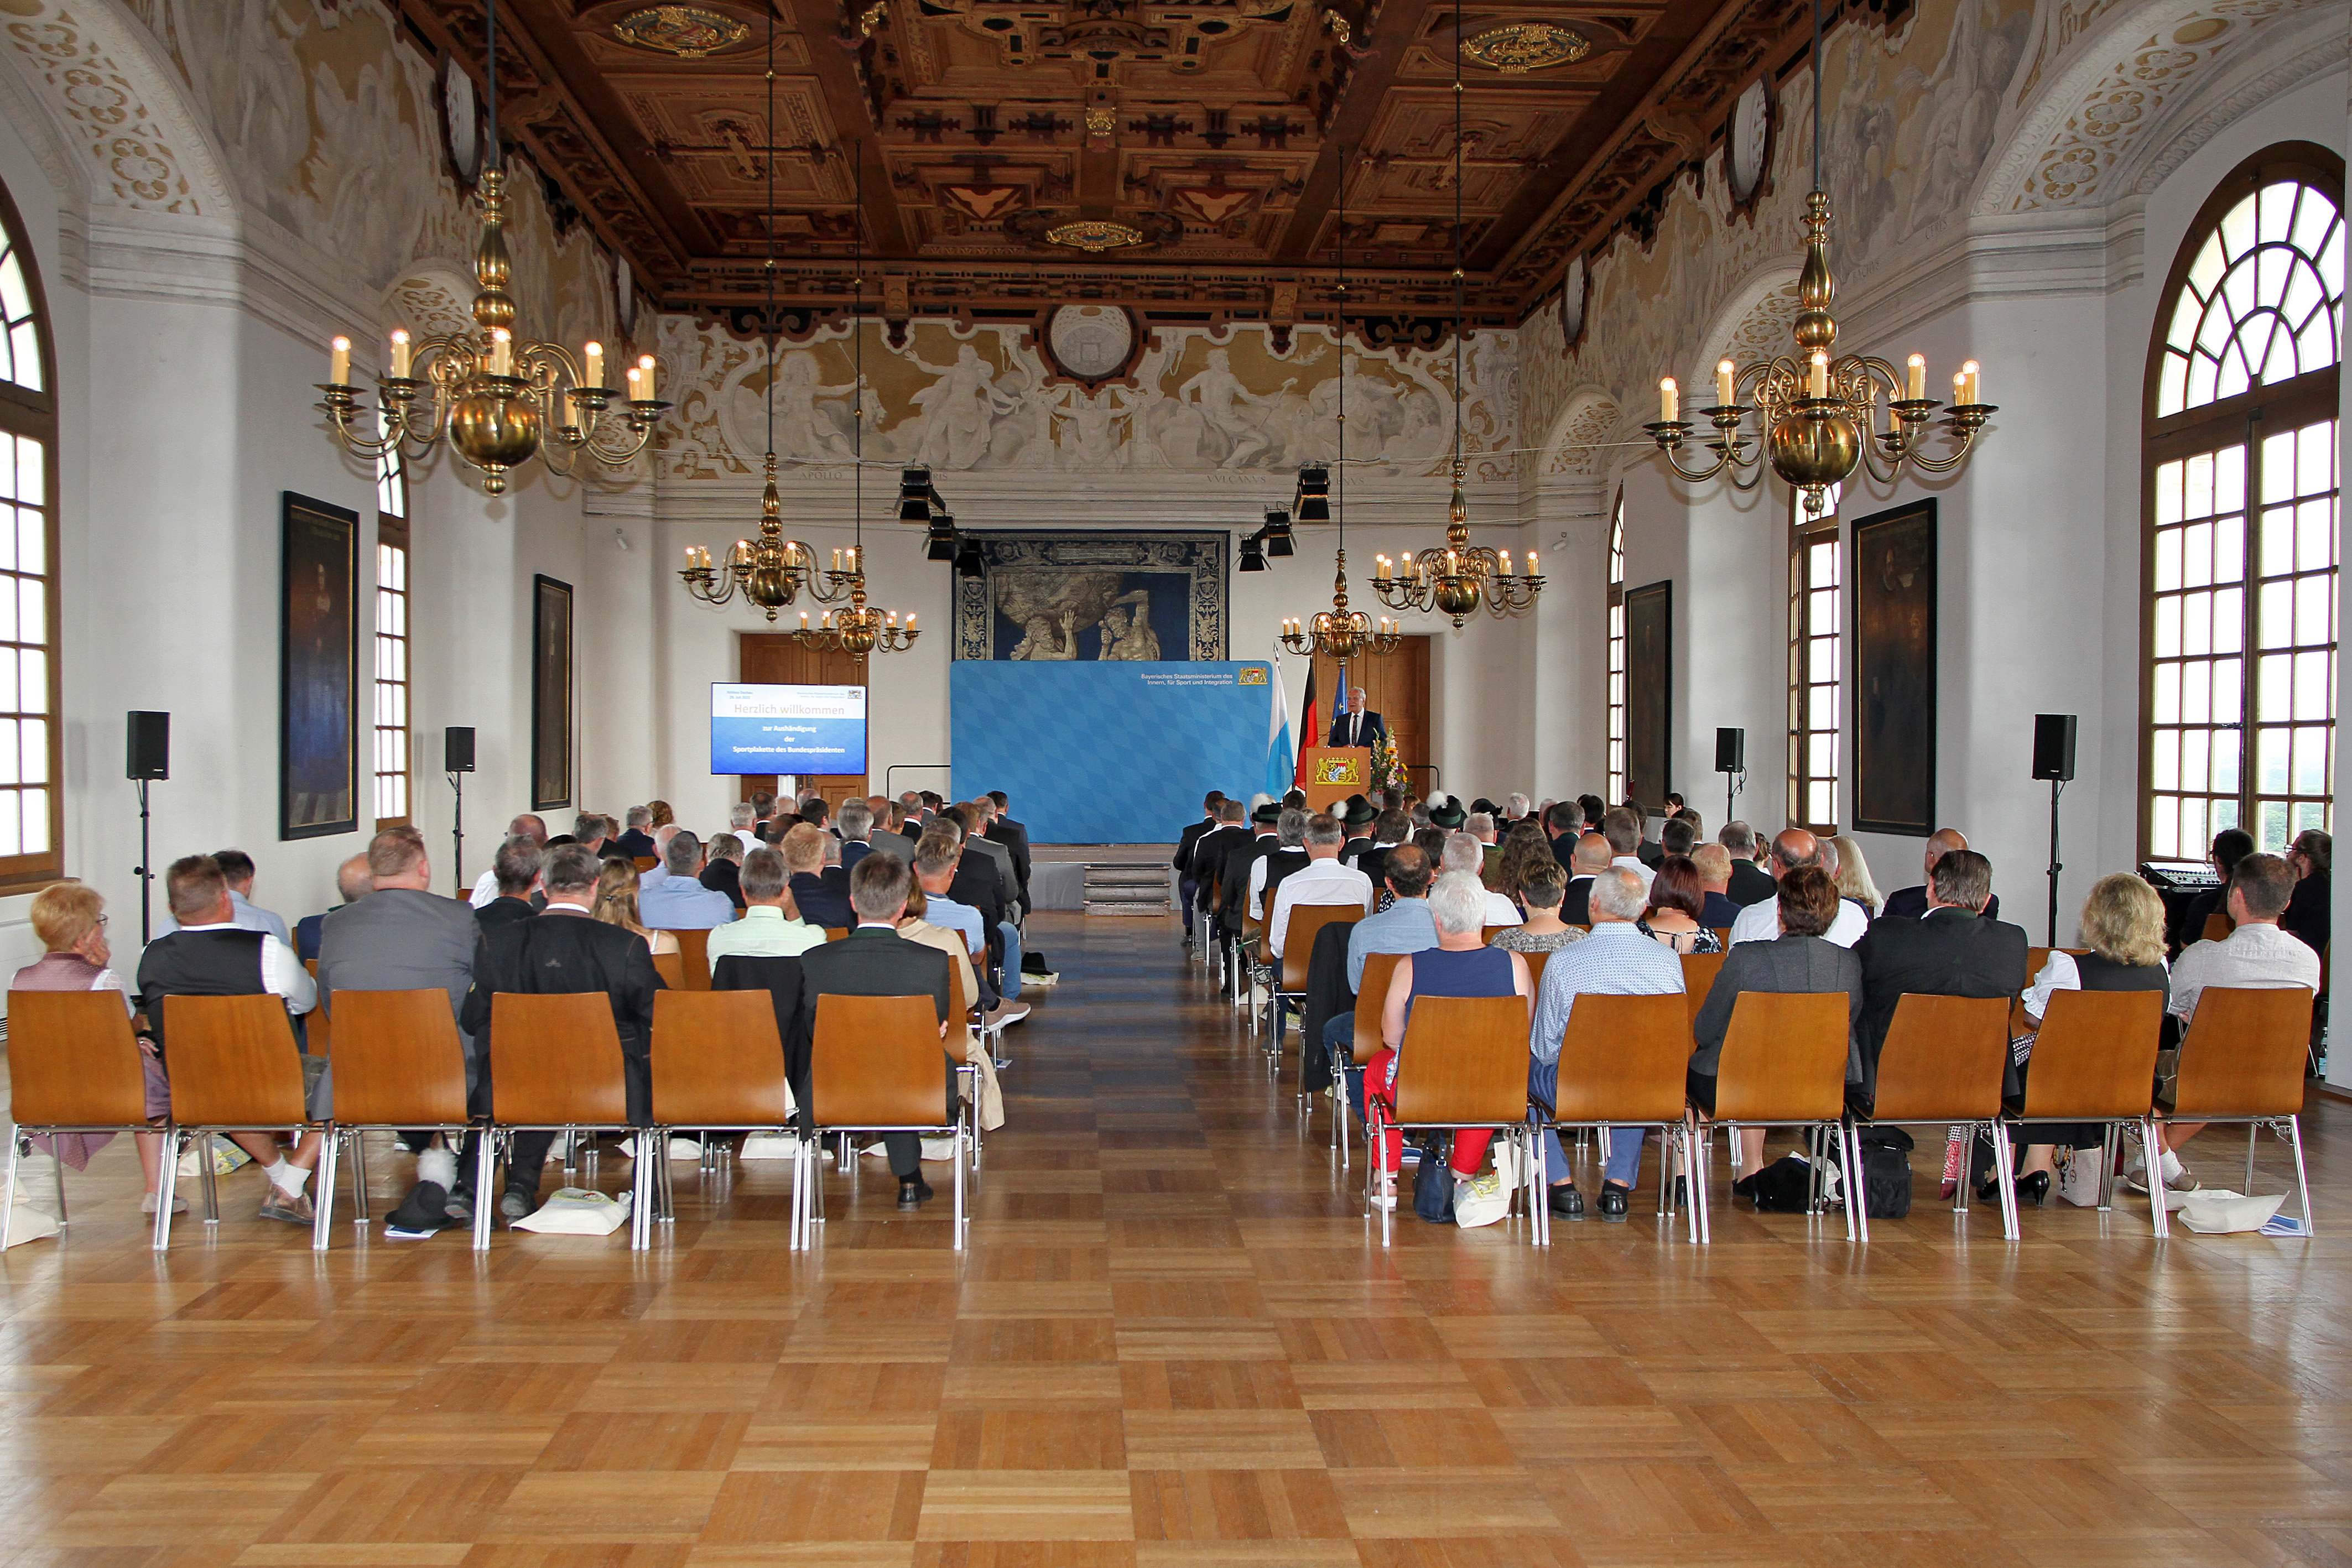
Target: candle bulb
(399, 352)
(1531, 565)
(592, 363)
(1669, 402)
(1820, 382)
(338, 362)
(1960, 386)
(1506, 563)
(911, 622)
(632, 383)
(1975, 386)
(1723, 379)
(652, 380)
(836, 562)
(803, 620)
(502, 352)
(1915, 384)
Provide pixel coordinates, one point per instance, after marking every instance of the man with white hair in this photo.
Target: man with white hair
(1516, 809)
(1911, 902)
(1359, 725)
(1321, 881)
(637, 844)
(1463, 852)
(1761, 922)
(525, 826)
(1618, 959)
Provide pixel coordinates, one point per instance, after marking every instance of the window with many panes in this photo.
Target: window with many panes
(392, 609)
(2242, 500)
(1816, 649)
(31, 812)
(1617, 649)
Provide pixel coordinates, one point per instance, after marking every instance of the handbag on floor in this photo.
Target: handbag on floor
(1784, 1187)
(1885, 1172)
(1432, 1182)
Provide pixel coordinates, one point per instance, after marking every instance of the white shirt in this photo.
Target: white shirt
(1761, 922)
(1501, 911)
(1634, 863)
(1319, 881)
(485, 890)
(747, 839)
(245, 916)
(2257, 957)
(282, 973)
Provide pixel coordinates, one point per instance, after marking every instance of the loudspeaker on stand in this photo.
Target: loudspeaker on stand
(2054, 746)
(458, 749)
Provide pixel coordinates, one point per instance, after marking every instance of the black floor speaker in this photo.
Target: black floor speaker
(2054, 746)
(147, 746)
(1731, 750)
(457, 750)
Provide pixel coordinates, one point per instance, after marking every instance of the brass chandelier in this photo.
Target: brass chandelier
(498, 399)
(1454, 579)
(1815, 413)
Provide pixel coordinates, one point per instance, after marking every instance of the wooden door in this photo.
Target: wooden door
(773, 659)
(1396, 686)
(1649, 694)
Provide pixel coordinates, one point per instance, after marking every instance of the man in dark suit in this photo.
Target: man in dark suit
(1588, 860)
(354, 883)
(1208, 862)
(1240, 858)
(1911, 902)
(514, 872)
(820, 892)
(1955, 950)
(1359, 725)
(856, 833)
(637, 842)
(1358, 819)
(1563, 825)
(1187, 888)
(874, 960)
(1014, 837)
(565, 951)
(1713, 862)
(1751, 883)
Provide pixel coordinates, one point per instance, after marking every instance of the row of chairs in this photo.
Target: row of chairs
(717, 1065)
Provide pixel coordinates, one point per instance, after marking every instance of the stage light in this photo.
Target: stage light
(1277, 533)
(941, 543)
(1252, 559)
(1314, 499)
(970, 562)
(915, 494)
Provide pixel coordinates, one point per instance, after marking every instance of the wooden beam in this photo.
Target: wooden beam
(819, 23)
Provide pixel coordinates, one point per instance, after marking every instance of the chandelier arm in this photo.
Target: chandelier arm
(1958, 456)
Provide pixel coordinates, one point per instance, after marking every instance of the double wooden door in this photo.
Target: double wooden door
(1396, 686)
(773, 659)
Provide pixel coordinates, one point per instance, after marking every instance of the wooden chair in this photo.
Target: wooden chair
(875, 1067)
(556, 1067)
(73, 1067)
(718, 1066)
(1535, 962)
(835, 933)
(2218, 926)
(1370, 998)
(2243, 1060)
(671, 967)
(1783, 1065)
(1722, 936)
(1942, 1063)
(401, 1067)
(2094, 1060)
(1699, 970)
(235, 1067)
(1623, 1063)
(647, 862)
(1464, 1064)
(694, 960)
(317, 1029)
(2035, 958)
(1289, 989)
(1487, 934)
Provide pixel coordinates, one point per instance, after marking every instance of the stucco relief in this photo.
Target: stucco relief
(980, 400)
(1583, 449)
(141, 161)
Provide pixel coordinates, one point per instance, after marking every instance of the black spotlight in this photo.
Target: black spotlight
(1253, 559)
(915, 494)
(1277, 533)
(969, 561)
(1314, 494)
(941, 543)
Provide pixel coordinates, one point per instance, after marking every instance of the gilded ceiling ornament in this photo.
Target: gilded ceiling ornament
(1093, 235)
(689, 32)
(1527, 47)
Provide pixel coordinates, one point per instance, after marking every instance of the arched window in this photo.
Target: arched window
(1617, 649)
(2241, 500)
(1816, 652)
(31, 813)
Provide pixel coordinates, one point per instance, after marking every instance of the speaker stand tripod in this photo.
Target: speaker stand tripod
(458, 833)
(145, 871)
(2050, 935)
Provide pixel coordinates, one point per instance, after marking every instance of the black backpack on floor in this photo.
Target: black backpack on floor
(1885, 1172)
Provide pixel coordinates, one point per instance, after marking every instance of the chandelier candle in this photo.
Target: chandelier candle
(652, 382)
(1669, 402)
(592, 365)
(1914, 382)
(338, 362)
(1723, 379)
(401, 354)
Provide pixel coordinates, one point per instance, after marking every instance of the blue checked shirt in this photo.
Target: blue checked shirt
(1615, 961)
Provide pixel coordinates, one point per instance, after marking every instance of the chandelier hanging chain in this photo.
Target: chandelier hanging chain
(1815, 411)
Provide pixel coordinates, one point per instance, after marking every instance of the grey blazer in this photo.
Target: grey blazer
(400, 940)
(1805, 964)
(1008, 884)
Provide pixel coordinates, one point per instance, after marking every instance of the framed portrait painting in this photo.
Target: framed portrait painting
(1894, 671)
(317, 719)
(1649, 691)
(550, 693)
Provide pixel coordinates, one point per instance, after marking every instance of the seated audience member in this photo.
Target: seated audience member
(723, 869)
(874, 960)
(1267, 872)
(237, 867)
(566, 951)
(1516, 810)
(856, 833)
(1953, 950)
(1209, 853)
(69, 922)
(1563, 824)
(1911, 902)
(2231, 845)
(1587, 861)
(2308, 915)
(1321, 881)
(1675, 837)
(1793, 847)
(1404, 926)
(679, 901)
(616, 904)
(1543, 931)
(1188, 884)
(587, 831)
(2255, 956)
(973, 817)
(1615, 961)
(1431, 842)
(964, 1045)
(1002, 829)
(526, 826)
(989, 867)
(1418, 813)
(1463, 853)
(1851, 874)
(763, 807)
(1751, 883)
(353, 884)
(1622, 826)
(1480, 825)
(1677, 899)
(1460, 964)
(662, 815)
(514, 872)
(937, 859)
(207, 954)
(659, 872)
(2122, 920)
(767, 930)
(1389, 829)
(815, 812)
(820, 892)
(1357, 819)
(1716, 911)
(1796, 960)
(742, 817)
(917, 814)
(1445, 811)
(1525, 851)
(637, 842)
(1687, 814)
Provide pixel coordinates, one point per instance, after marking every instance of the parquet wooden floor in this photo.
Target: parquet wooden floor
(1175, 1340)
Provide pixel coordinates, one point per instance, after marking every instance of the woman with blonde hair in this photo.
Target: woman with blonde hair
(2123, 924)
(1854, 877)
(616, 904)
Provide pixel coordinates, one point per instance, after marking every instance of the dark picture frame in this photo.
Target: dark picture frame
(551, 692)
(1893, 700)
(1649, 692)
(318, 658)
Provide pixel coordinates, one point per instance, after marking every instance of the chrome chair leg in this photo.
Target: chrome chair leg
(325, 1214)
(359, 1178)
(2302, 1178)
(8, 1215)
(210, 1176)
(2152, 1151)
(56, 1171)
(486, 1199)
(173, 1139)
(2005, 1171)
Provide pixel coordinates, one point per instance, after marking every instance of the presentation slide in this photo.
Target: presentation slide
(787, 729)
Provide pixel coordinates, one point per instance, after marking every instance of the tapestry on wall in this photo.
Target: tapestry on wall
(1142, 597)
(1894, 671)
(318, 733)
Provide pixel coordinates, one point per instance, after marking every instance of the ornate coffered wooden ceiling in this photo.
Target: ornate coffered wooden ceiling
(1227, 136)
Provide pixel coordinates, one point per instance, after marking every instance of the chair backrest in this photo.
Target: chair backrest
(672, 970)
(2218, 926)
(1722, 936)
(718, 1060)
(558, 1060)
(2244, 1053)
(1379, 968)
(875, 1062)
(693, 960)
(835, 933)
(233, 1061)
(1624, 1059)
(73, 1061)
(2035, 958)
(1306, 923)
(1535, 962)
(1784, 1057)
(1699, 979)
(1943, 1060)
(1487, 934)
(2094, 1059)
(1463, 1062)
(318, 1029)
(399, 1061)
(647, 862)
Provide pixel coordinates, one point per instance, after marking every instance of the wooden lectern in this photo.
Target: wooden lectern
(1335, 772)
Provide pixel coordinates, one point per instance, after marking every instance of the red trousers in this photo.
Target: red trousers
(1379, 1089)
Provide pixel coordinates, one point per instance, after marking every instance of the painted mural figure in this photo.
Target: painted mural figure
(1225, 405)
(809, 431)
(960, 410)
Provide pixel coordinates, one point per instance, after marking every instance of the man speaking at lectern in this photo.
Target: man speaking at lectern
(1352, 726)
